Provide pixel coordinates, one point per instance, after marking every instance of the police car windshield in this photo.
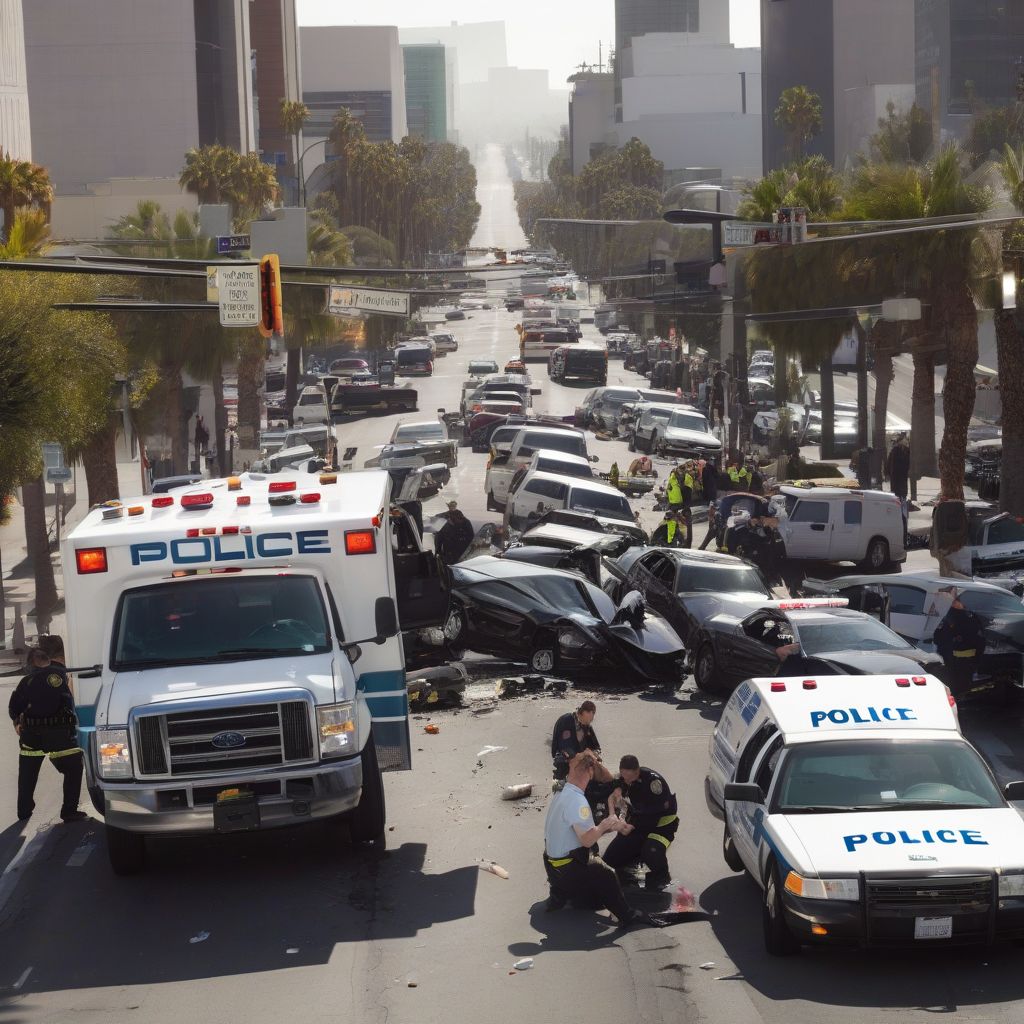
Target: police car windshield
(848, 634)
(883, 775)
(192, 621)
(721, 579)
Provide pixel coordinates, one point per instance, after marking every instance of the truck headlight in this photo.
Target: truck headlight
(336, 724)
(1011, 885)
(115, 759)
(823, 888)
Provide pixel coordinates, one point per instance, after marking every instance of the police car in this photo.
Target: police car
(864, 815)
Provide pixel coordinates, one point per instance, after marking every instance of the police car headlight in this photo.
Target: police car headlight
(336, 724)
(115, 759)
(1011, 884)
(823, 888)
(571, 639)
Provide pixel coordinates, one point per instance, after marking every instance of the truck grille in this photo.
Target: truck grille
(250, 736)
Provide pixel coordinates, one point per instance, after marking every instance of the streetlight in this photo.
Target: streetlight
(302, 177)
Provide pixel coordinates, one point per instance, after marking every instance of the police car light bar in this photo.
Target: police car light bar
(810, 684)
(811, 602)
(920, 680)
(279, 486)
(91, 560)
(163, 501)
(197, 501)
(309, 499)
(778, 687)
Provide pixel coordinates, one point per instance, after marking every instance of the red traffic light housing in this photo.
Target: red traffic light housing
(271, 310)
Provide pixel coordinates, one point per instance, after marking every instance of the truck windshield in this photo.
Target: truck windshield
(884, 775)
(230, 618)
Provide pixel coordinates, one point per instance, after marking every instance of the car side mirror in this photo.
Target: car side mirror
(385, 618)
(744, 792)
(1014, 790)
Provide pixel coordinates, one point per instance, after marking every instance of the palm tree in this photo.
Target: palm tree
(22, 183)
(799, 115)
(294, 115)
(217, 174)
(207, 173)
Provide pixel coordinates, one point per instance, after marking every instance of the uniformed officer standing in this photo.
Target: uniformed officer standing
(653, 815)
(573, 872)
(42, 710)
(960, 640)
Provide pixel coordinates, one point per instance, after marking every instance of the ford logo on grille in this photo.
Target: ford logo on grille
(228, 740)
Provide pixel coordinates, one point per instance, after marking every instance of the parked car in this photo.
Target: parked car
(499, 485)
(685, 433)
(421, 430)
(481, 367)
(579, 362)
(348, 399)
(728, 646)
(602, 407)
(347, 365)
(455, 314)
(413, 360)
(995, 540)
(474, 391)
(546, 491)
(444, 342)
(555, 621)
(311, 407)
(502, 466)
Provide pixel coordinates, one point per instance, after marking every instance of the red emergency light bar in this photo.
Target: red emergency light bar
(812, 602)
(360, 542)
(91, 560)
(902, 682)
(197, 501)
(920, 681)
(778, 687)
(163, 501)
(309, 499)
(810, 684)
(279, 486)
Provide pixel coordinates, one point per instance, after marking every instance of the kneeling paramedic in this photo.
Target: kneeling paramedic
(42, 710)
(653, 815)
(573, 871)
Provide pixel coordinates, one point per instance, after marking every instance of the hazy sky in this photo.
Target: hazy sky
(553, 34)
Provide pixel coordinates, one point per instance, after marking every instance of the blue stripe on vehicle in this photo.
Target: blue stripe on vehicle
(761, 835)
(86, 715)
(376, 682)
(387, 707)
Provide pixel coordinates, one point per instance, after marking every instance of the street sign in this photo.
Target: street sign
(343, 299)
(739, 233)
(58, 474)
(239, 295)
(212, 292)
(232, 243)
(53, 455)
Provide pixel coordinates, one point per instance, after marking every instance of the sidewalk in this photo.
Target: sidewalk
(18, 578)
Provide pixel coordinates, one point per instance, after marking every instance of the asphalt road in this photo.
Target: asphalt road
(299, 925)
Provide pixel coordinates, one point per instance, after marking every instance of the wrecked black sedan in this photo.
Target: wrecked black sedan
(555, 621)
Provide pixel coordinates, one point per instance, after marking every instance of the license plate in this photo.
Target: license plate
(933, 927)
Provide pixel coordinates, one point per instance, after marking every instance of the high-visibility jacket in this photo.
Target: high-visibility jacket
(673, 491)
(739, 478)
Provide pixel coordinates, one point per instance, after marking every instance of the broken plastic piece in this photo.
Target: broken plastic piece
(525, 964)
(490, 750)
(201, 937)
(494, 869)
(517, 792)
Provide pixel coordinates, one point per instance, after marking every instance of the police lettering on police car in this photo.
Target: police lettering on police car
(965, 836)
(843, 716)
(237, 547)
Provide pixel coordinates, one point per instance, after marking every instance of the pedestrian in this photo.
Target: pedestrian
(690, 484)
(455, 536)
(739, 476)
(202, 437)
(613, 475)
(573, 871)
(709, 481)
(670, 532)
(674, 490)
(718, 378)
(897, 467)
(573, 733)
(42, 711)
(778, 633)
(653, 815)
(960, 641)
(756, 477)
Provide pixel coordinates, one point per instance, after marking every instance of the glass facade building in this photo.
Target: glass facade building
(426, 91)
(372, 108)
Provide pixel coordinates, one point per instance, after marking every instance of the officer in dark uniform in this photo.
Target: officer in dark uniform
(960, 640)
(42, 710)
(574, 733)
(778, 633)
(653, 815)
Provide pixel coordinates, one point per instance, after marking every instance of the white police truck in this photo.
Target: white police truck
(243, 663)
(864, 815)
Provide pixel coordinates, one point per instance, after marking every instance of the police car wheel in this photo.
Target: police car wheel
(542, 659)
(730, 853)
(778, 939)
(126, 850)
(705, 669)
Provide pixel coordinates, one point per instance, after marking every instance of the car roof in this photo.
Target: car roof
(557, 456)
(551, 430)
(433, 424)
(717, 558)
(499, 568)
(927, 576)
(835, 492)
(577, 483)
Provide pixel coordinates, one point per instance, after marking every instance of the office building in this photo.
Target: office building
(856, 55)
(426, 91)
(479, 46)
(968, 55)
(358, 67)
(275, 45)
(15, 134)
(591, 104)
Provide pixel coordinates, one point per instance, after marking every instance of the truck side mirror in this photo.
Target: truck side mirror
(744, 792)
(385, 618)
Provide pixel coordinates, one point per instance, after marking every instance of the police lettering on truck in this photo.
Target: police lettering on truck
(248, 666)
(865, 816)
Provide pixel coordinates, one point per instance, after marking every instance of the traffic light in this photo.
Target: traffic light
(271, 310)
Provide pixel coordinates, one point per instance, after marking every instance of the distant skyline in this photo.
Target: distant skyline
(541, 34)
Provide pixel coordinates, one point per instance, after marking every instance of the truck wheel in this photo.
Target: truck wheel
(126, 850)
(369, 818)
(876, 558)
(730, 853)
(778, 939)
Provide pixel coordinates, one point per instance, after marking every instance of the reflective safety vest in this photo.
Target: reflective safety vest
(673, 491)
(670, 531)
(739, 477)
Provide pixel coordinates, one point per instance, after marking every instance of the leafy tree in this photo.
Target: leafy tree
(902, 137)
(22, 183)
(799, 114)
(993, 130)
(810, 182)
(217, 174)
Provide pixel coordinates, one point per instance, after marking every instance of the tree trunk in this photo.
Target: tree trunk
(250, 378)
(220, 419)
(291, 381)
(960, 318)
(922, 414)
(38, 545)
(884, 339)
(7, 207)
(862, 385)
(99, 458)
(828, 410)
(174, 417)
(1011, 396)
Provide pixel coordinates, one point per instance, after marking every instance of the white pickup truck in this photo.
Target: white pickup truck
(502, 468)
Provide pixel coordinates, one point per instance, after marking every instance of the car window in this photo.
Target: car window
(572, 444)
(754, 747)
(907, 600)
(987, 602)
(561, 592)
(848, 634)
(770, 761)
(810, 512)
(714, 579)
(689, 421)
(1005, 531)
(853, 513)
(565, 468)
(549, 488)
(613, 506)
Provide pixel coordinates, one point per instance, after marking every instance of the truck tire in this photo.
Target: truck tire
(876, 558)
(369, 818)
(126, 850)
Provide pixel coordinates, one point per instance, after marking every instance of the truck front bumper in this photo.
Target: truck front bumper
(186, 807)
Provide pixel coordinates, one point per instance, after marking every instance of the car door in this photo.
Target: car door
(743, 655)
(846, 530)
(908, 613)
(741, 817)
(497, 618)
(658, 578)
(806, 532)
(766, 770)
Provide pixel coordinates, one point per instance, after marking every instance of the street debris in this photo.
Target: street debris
(517, 792)
(708, 966)
(525, 964)
(432, 729)
(490, 750)
(201, 937)
(683, 900)
(494, 869)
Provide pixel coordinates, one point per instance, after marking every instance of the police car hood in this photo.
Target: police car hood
(912, 841)
(224, 680)
(880, 663)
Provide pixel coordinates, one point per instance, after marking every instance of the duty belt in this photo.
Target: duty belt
(969, 653)
(65, 718)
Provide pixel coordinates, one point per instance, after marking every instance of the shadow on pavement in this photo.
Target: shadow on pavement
(937, 980)
(205, 909)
